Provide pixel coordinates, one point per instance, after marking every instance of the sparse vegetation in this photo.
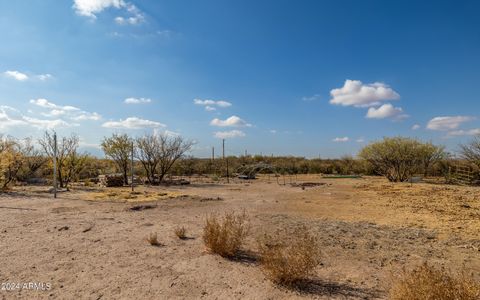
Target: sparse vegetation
(399, 158)
(289, 257)
(181, 232)
(118, 147)
(225, 236)
(152, 239)
(428, 282)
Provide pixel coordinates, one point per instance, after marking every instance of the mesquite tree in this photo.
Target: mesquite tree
(158, 153)
(66, 148)
(471, 151)
(118, 147)
(399, 158)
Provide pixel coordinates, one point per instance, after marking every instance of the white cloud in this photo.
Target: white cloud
(233, 121)
(24, 77)
(68, 111)
(7, 120)
(273, 131)
(341, 139)
(47, 104)
(416, 127)
(447, 123)
(361, 140)
(132, 100)
(211, 104)
(44, 77)
(229, 134)
(385, 111)
(355, 93)
(83, 116)
(133, 123)
(475, 131)
(90, 8)
(47, 124)
(16, 75)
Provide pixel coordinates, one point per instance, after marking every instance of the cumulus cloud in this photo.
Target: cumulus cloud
(16, 75)
(229, 134)
(355, 93)
(448, 122)
(385, 111)
(211, 105)
(90, 8)
(11, 117)
(233, 121)
(133, 123)
(341, 139)
(68, 111)
(132, 100)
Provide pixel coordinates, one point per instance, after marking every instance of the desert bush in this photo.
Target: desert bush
(180, 232)
(427, 282)
(225, 236)
(289, 257)
(471, 151)
(399, 158)
(152, 239)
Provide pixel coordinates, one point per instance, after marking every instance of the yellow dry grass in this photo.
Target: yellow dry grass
(289, 257)
(427, 282)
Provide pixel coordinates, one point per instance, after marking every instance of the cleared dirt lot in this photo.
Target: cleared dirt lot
(90, 244)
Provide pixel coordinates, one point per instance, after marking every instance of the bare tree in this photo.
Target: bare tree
(148, 152)
(118, 147)
(66, 147)
(158, 153)
(172, 148)
(471, 151)
(33, 159)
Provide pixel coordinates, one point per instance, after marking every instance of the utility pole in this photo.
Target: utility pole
(213, 154)
(54, 165)
(132, 167)
(226, 160)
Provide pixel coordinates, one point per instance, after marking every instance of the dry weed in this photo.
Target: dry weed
(289, 257)
(180, 232)
(427, 282)
(225, 236)
(153, 240)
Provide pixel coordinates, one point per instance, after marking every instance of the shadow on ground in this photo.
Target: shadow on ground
(334, 289)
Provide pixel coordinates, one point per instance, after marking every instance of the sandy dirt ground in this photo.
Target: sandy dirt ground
(89, 244)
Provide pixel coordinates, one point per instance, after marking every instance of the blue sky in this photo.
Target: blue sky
(276, 77)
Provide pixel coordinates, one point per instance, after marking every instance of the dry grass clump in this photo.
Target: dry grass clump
(152, 239)
(225, 236)
(180, 232)
(427, 282)
(289, 257)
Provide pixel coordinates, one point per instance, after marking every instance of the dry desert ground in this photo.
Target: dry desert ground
(90, 244)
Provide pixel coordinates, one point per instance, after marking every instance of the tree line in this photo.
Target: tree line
(156, 156)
